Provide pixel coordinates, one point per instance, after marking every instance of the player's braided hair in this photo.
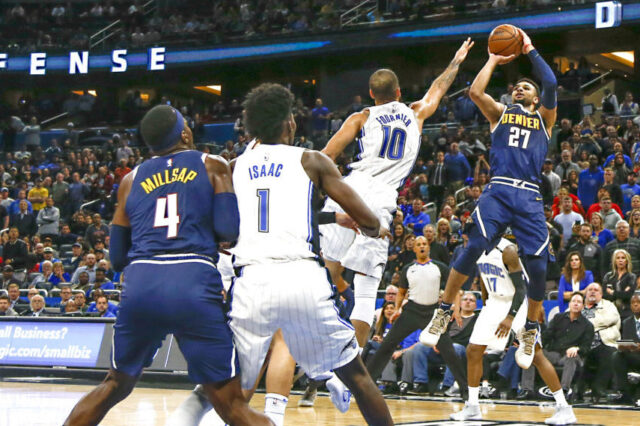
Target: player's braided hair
(266, 107)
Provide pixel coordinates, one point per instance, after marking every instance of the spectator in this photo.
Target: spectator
(567, 219)
(466, 110)
(24, 221)
(628, 106)
(600, 233)
(65, 297)
(15, 252)
(576, 206)
(89, 268)
(590, 251)
(102, 307)
(437, 177)
(66, 237)
(629, 190)
(566, 165)
(48, 219)
(612, 188)
(80, 300)
(566, 343)
(554, 179)
(627, 358)
(618, 149)
(76, 257)
(620, 283)
(589, 181)
(417, 219)
(16, 302)
(59, 276)
(101, 282)
(606, 325)
(5, 307)
(37, 196)
(634, 222)
(457, 167)
(505, 98)
(609, 103)
(96, 231)
(32, 134)
(320, 122)
(14, 208)
(436, 250)
(575, 278)
(36, 307)
(8, 278)
(622, 241)
(43, 280)
(78, 190)
(610, 216)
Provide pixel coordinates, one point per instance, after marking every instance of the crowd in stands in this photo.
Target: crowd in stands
(60, 25)
(55, 205)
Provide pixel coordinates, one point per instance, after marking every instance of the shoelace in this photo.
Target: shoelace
(529, 339)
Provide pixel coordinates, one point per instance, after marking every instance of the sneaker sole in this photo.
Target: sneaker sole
(341, 405)
(478, 417)
(304, 403)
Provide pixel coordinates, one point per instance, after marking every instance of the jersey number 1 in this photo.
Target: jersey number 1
(515, 134)
(167, 214)
(263, 210)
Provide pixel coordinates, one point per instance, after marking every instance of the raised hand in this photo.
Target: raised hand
(526, 42)
(461, 54)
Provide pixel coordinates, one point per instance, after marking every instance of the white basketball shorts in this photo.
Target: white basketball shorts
(490, 317)
(296, 297)
(356, 251)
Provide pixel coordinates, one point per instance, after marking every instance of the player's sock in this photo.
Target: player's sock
(446, 306)
(530, 325)
(274, 406)
(474, 395)
(559, 397)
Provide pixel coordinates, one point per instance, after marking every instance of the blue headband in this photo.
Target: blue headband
(173, 137)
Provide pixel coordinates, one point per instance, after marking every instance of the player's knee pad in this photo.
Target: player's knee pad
(537, 270)
(477, 244)
(365, 291)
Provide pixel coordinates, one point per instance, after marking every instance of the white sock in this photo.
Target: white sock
(473, 395)
(559, 397)
(274, 406)
(485, 383)
(191, 411)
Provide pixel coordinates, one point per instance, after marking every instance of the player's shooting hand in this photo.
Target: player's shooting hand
(461, 54)
(504, 327)
(345, 221)
(501, 60)
(526, 42)
(572, 352)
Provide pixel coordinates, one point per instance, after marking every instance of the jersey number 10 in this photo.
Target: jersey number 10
(393, 143)
(515, 134)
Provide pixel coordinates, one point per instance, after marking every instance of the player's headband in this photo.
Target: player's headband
(173, 136)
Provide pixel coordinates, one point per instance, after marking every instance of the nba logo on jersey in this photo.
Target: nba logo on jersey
(170, 162)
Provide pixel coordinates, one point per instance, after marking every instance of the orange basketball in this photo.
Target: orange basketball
(505, 40)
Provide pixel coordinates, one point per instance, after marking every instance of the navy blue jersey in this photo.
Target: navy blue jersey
(170, 207)
(519, 145)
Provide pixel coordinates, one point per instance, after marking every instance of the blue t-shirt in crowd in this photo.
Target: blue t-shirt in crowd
(588, 184)
(628, 192)
(457, 166)
(418, 222)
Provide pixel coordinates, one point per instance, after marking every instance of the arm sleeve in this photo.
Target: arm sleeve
(326, 218)
(543, 72)
(226, 218)
(119, 245)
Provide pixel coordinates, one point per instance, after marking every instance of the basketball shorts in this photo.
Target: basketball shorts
(356, 251)
(491, 315)
(179, 295)
(296, 297)
(520, 207)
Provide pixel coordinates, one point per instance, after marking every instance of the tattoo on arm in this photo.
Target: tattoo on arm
(447, 77)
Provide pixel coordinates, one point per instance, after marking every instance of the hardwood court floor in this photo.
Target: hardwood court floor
(48, 404)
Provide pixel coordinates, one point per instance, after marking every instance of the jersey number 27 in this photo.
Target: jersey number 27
(516, 134)
(167, 214)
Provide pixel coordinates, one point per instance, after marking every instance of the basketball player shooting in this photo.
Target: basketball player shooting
(519, 142)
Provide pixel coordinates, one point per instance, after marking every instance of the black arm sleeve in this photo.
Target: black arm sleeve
(325, 218)
(521, 289)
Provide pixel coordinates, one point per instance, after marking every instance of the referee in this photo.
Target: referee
(422, 279)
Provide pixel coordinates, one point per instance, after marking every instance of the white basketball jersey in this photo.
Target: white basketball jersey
(495, 274)
(389, 143)
(275, 195)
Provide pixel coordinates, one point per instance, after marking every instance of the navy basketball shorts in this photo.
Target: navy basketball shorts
(501, 206)
(182, 297)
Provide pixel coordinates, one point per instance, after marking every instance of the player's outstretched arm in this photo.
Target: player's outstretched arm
(324, 174)
(347, 133)
(543, 72)
(491, 109)
(120, 233)
(425, 107)
(226, 218)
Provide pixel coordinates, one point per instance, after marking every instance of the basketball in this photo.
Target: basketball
(505, 40)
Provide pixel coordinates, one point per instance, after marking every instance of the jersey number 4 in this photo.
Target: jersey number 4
(516, 134)
(167, 214)
(393, 143)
